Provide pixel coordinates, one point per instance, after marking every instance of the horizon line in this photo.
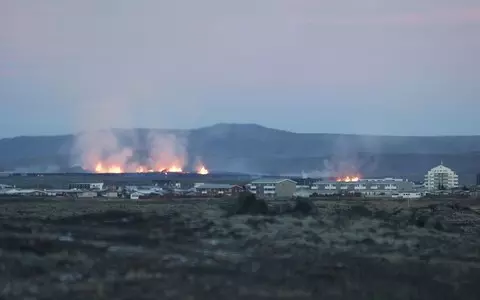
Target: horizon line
(237, 124)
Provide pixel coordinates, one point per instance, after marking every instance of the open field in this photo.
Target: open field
(194, 249)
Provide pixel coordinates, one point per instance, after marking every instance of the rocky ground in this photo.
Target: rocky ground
(201, 250)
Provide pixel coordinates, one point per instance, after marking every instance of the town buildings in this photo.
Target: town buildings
(438, 181)
(407, 195)
(441, 178)
(273, 188)
(86, 186)
(110, 195)
(87, 194)
(135, 196)
(167, 183)
(218, 189)
(365, 187)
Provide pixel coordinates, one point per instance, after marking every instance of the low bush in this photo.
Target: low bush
(304, 206)
(247, 203)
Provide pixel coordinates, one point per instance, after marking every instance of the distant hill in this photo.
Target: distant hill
(256, 149)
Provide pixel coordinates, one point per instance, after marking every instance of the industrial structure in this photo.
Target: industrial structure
(273, 188)
(441, 178)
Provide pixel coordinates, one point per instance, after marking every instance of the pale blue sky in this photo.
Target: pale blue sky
(406, 67)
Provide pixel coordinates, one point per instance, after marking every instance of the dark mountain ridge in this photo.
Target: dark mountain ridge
(257, 149)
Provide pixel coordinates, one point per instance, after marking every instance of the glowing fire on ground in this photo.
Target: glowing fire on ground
(349, 179)
(144, 170)
(175, 169)
(116, 169)
(202, 170)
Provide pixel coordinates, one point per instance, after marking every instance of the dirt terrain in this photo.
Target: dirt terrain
(201, 250)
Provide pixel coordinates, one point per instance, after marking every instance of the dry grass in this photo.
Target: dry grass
(150, 250)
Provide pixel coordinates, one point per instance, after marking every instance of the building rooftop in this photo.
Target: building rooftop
(441, 169)
(271, 180)
(363, 182)
(215, 186)
(386, 179)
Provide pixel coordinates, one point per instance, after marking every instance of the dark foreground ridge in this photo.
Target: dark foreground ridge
(209, 250)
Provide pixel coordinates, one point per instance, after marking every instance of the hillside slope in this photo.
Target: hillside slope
(253, 148)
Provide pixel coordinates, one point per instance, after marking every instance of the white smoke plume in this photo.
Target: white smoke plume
(105, 151)
(93, 147)
(167, 150)
(347, 159)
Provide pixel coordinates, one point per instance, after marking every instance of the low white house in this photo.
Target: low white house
(87, 194)
(86, 186)
(110, 195)
(135, 196)
(407, 195)
(303, 193)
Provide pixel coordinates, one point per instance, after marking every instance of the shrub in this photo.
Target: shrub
(304, 206)
(247, 203)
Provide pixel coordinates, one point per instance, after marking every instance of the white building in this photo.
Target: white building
(407, 195)
(86, 186)
(135, 196)
(303, 193)
(87, 194)
(440, 178)
(366, 187)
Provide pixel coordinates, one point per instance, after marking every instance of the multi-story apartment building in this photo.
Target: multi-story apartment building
(367, 187)
(273, 188)
(441, 178)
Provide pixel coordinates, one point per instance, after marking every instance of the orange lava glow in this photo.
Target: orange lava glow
(202, 170)
(105, 168)
(349, 179)
(175, 169)
(113, 169)
(143, 170)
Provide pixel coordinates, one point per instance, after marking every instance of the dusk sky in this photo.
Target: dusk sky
(409, 67)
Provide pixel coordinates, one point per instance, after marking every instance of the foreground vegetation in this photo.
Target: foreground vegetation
(244, 249)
